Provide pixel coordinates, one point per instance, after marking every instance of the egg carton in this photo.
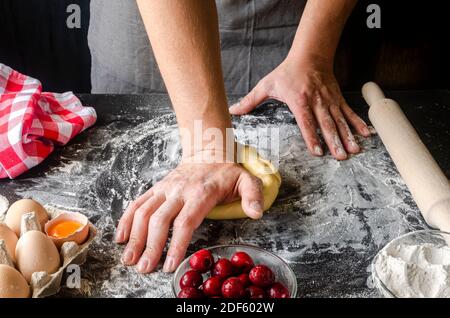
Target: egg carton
(43, 284)
(4, 204)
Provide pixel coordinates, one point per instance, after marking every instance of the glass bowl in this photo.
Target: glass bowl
(283, 272)
(434, 237)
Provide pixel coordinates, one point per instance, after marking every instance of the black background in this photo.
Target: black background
(35, 40)
(410, 51)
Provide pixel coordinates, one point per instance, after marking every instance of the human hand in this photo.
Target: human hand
(313, 95)
(183, 198)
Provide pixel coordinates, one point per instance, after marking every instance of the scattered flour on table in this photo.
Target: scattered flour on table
(415, 270)
(330, 217)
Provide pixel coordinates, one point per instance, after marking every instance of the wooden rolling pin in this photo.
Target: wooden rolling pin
(426, 181)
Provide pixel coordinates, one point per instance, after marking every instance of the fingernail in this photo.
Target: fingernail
(142, 266)
(366, 131)
(169, 264)
(340, 152)
(318, 150)
(119, 236)
(257, 208)
(127, 257)
(353, 145)
(232, 107)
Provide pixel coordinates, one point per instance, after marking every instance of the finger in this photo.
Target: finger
(139, 229)
(307, 124)
(125, 222)
(356, 121)
(344, 131)
(250, 190)
(249, 102)
(328, 128)
(189, 219)
(158, 230)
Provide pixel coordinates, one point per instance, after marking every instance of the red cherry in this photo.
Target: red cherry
(242, 261)
(190, 292)
(191, 278)
(222, 268)
(261, 276)
(277, 290)
(244, 279)
(212, 286)
(201, 261)
(233, 288)
(255, 292)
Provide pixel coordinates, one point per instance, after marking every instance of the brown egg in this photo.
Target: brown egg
(35, 252)
(12, 283)
(19, 208)
(10, 239)
(68, 227)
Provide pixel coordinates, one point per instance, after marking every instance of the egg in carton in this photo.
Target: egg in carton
(61, 251)
(4, 204)
(71, 253)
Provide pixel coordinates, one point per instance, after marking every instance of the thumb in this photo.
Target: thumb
(250, 190)
(249, 102)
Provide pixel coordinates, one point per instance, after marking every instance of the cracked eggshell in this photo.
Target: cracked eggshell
(17, 209)
(4, 204)
(35, 252)
(12, 283)
(10, 239)
(79, 236)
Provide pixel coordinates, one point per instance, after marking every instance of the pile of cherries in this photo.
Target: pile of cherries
(238, 277)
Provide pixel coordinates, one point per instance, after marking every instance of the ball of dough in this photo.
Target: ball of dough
(17, 209)
(259, 167)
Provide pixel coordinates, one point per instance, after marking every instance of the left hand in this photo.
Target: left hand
(314, 97)
(182, 200)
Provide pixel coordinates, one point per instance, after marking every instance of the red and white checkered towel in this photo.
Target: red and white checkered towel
(32, 121)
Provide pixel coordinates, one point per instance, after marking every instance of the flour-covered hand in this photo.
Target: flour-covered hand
(314, 97)
(182, 200)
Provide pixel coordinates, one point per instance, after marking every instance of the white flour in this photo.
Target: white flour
(415, 270)
(330, 218)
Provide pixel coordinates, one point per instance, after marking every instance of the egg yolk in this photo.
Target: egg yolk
(64, 229)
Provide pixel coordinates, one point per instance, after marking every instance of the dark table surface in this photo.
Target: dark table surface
(329, 221)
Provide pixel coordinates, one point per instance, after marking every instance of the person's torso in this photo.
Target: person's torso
(256, 36)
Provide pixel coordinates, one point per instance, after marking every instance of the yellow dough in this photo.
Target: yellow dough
(260, 168)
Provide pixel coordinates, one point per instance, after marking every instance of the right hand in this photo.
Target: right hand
(312, 93)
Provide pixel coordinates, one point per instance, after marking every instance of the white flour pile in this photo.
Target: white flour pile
(415, 270)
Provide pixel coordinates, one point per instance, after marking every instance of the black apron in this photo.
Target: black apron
(256, 36)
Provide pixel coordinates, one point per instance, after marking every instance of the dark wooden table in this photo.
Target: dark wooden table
(329, 221)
